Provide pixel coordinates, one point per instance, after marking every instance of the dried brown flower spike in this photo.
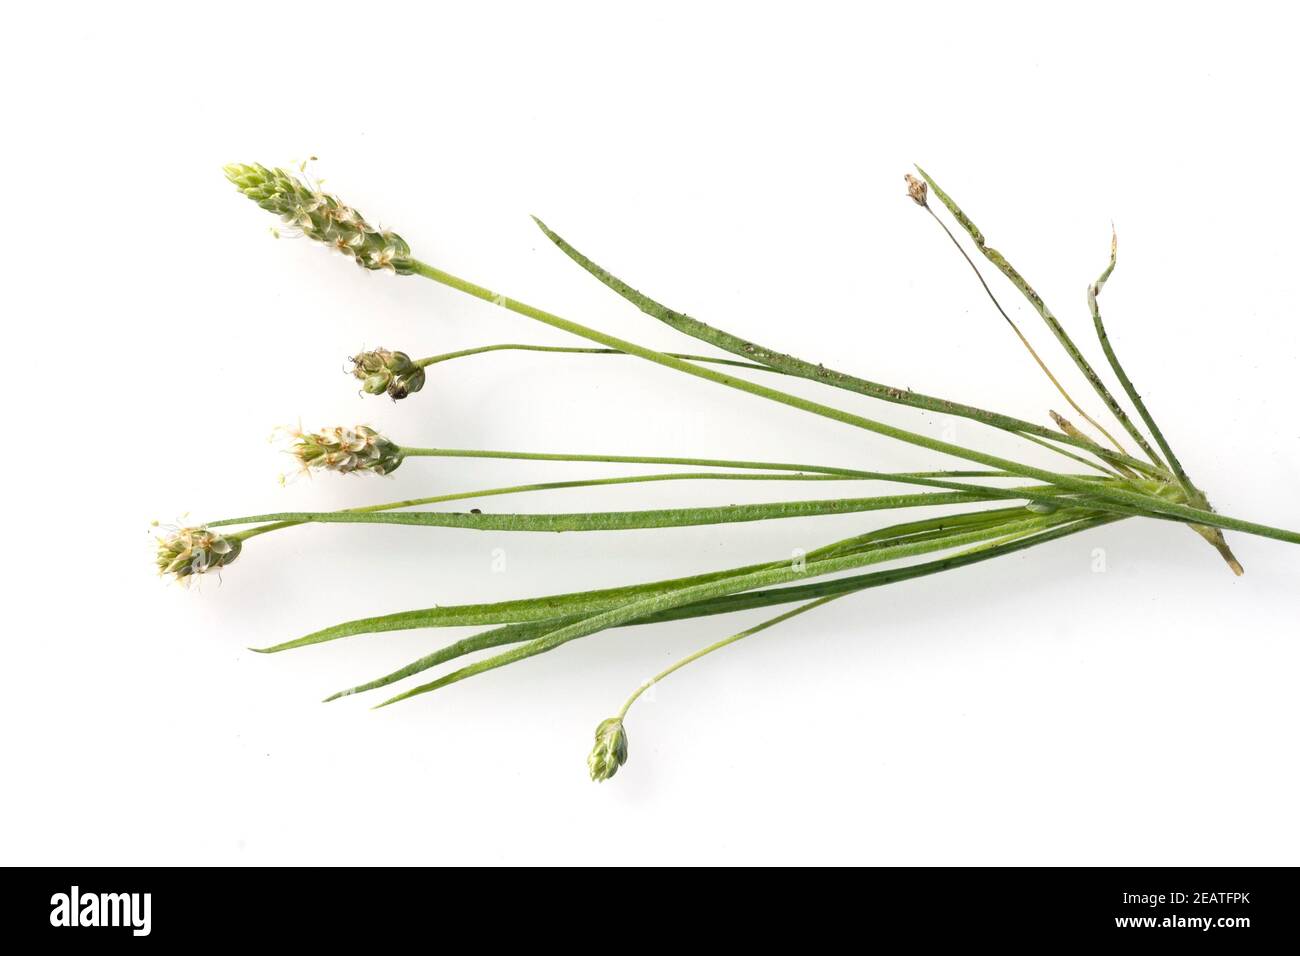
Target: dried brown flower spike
(917, 189)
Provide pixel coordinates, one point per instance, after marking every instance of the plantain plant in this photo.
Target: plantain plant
(1014, 505)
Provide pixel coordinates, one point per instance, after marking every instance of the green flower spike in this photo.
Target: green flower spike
(345, 450)
(320, 216)
(610, 751)
(186, 552)
(381, 370)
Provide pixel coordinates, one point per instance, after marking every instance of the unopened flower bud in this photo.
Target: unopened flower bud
(382, 370)
(917, 189)
(610, 751)
(376, 384)
(345, 450)
(320, 216)
(186, 552)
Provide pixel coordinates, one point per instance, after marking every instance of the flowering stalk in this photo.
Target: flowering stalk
(599, 763)
(298, 201)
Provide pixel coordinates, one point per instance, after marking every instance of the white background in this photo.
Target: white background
(744, 163)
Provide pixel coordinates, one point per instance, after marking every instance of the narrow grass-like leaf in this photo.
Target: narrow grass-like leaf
(1213, 535)
(734, 602)
(557, 605)
(678, 598)
(629, 520)
(509, 634)
(553, 486)
(796, 366)
(1034, 299)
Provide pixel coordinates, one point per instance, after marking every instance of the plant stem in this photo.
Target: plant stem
(479, 350)
(696, 462)
(541, 486)
(929, 479)
(1119, 496)
(718, 645)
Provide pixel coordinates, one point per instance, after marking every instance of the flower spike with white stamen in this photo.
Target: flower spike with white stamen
(345, 450)
(186, 552)
(320, 216)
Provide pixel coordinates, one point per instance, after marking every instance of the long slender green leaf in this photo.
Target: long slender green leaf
(1213, 535)
(628, 520)
(1034, 299)
(557, 605)
(678, 598)
(800, 367)
(730, 603)
(557, 486)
